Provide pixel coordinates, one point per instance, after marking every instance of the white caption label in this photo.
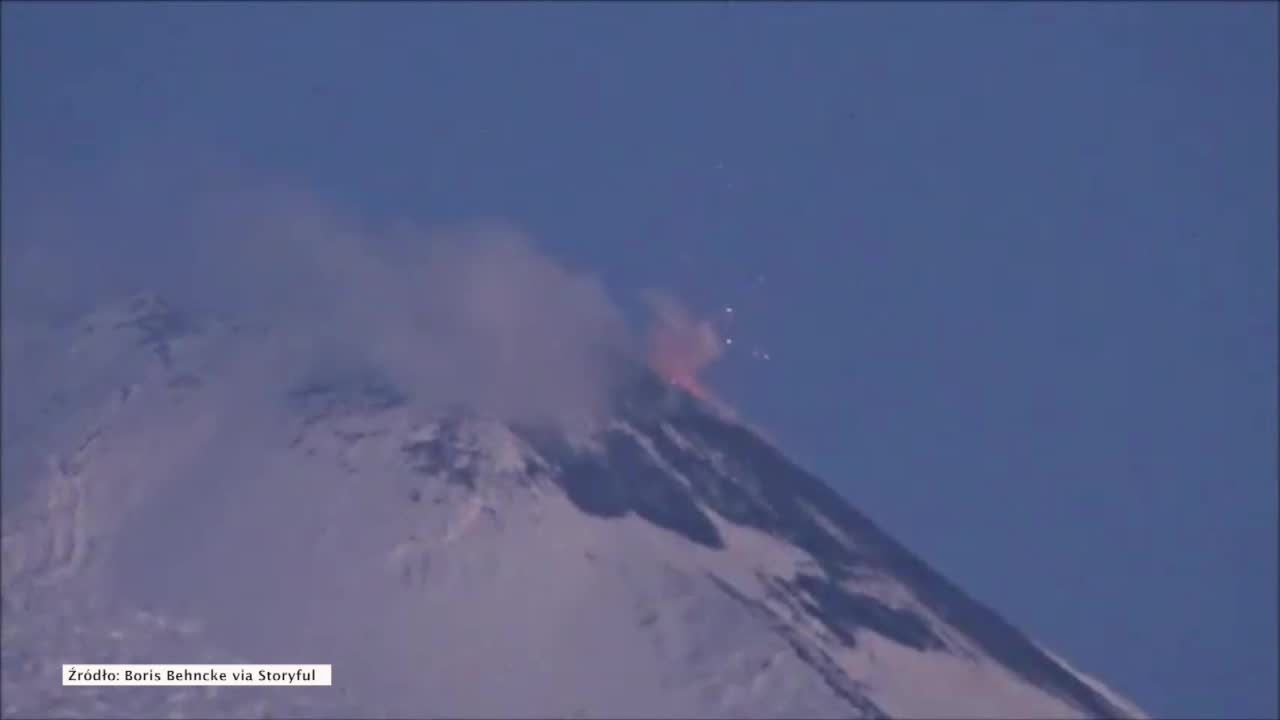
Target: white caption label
(197, 675)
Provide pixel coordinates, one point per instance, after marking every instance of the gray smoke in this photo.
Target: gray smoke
(469, 315)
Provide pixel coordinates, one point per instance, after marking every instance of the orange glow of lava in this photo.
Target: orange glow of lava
(676, 372)
(680, 346)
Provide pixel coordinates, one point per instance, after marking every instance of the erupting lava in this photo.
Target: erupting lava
(680, 346)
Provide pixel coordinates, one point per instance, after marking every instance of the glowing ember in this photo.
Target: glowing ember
(680, 346)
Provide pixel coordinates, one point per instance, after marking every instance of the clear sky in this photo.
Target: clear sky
(1014, 264)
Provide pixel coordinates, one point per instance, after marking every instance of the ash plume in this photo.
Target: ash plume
(472, 315)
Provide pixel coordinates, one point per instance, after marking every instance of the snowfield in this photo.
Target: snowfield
(167, 500)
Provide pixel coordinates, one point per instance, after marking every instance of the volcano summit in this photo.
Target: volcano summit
(171, 497)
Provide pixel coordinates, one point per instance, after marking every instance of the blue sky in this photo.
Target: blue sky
(1014, 264)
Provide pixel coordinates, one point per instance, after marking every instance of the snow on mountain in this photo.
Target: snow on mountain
(168, 499)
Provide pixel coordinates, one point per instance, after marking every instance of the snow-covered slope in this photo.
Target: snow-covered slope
(168, 500)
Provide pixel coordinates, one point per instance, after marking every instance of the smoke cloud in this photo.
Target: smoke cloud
(467, 315)
(470, 315)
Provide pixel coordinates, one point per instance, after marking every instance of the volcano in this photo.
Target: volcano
(169, 500)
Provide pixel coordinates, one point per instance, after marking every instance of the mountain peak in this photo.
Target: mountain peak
(661, 559)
